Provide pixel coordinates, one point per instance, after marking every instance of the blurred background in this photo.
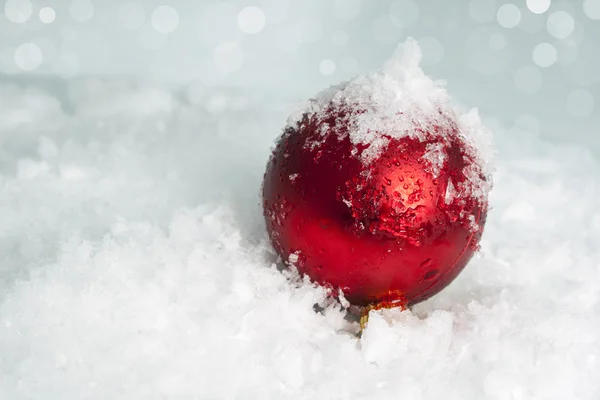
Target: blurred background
(531, 64)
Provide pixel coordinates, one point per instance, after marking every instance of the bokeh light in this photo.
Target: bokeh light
(327, 67)
(544, 55)
(18, 11)
(538, 6)
(509, 16)
(591, 8)
(47, 15)
(251, 20)
(165, 19)
(28, 56)
(560, 24)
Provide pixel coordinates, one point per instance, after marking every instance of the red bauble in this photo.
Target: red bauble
(388, 213)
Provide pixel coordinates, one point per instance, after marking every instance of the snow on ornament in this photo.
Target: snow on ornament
(379, 188)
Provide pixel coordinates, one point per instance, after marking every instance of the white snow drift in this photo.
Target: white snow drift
(134, 265)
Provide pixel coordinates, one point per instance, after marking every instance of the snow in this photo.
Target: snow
(135, 265)
(401, 101)
(435, 158)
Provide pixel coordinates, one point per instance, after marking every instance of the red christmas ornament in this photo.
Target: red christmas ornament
(378, 187)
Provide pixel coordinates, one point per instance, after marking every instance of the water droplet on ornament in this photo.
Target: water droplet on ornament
(388, 181)
(401, 178)
(431, 275)
(405, 186)
(426, 263)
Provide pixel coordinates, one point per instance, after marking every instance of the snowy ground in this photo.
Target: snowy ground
(134, 265)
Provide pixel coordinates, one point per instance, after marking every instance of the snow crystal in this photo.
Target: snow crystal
(435, 157)
(450, 192)
(293, 258)
(119, 281)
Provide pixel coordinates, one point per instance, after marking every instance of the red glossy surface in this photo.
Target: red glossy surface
(382, 232)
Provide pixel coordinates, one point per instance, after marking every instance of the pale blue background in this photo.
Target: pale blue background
(282, 60)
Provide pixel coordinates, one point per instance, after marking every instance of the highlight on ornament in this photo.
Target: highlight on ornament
(378, 188)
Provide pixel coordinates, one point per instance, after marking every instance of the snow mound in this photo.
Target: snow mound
(134, 265)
